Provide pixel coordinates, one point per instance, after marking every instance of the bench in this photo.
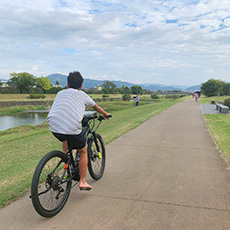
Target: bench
(214, 102)
(222, 108)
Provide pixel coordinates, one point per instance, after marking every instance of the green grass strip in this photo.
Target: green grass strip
(23, 147)
(219, 126)
(207, 100)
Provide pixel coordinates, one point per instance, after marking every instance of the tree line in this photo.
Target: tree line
(27, 83)
(110, 88)
(214, 87)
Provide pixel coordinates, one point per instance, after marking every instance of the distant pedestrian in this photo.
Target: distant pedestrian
(137, 100)
(196, 95)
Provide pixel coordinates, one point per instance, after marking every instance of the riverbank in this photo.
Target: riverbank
(18, 109)
(24, 146)
(20, 101)
(7, 104)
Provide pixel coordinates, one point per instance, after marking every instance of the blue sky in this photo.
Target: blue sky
(139, 41)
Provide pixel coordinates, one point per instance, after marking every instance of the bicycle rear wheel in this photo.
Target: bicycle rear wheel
(51, 184)
(96, 157)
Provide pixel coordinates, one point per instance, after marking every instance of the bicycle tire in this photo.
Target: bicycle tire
(49, 192)
(96, 159)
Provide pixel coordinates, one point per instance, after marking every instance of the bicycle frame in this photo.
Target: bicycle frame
(91, 130)
(57, 181)
(87, 129)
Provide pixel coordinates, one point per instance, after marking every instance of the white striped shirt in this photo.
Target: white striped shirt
(67, 111)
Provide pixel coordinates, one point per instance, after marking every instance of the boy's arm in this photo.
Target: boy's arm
(100, 110)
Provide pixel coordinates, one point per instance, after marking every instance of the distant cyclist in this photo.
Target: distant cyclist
(65, 118)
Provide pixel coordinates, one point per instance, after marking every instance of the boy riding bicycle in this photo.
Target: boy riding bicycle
(65, 118)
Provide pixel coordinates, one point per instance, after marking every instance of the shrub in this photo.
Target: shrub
(173, 96)
(105, 97)
(37, 96)
(168, 96)
(126, 97)
(54, 90)
(154, 96)
(9, 90)
(227, 102)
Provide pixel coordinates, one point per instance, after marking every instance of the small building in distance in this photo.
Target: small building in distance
(4, 83)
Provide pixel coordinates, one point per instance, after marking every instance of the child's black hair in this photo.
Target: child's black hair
(75, 80)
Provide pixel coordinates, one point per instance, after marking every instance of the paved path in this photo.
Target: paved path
(166, 174)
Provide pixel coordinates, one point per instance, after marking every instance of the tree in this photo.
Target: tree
(1, 83)
(136, 89)
(57, 82)
(124, 90)
(147, 91)
(127, 90)
(44, 83)
(126, 97)
(212, 87)
(108, 87)
(154, 96)
(23, 81)
(226, 89)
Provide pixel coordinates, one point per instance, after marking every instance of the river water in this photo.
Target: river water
(25, 118)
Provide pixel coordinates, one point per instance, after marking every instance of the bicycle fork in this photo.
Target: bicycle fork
(97, 146)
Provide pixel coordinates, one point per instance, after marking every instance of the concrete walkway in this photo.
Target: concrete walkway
(209, 109)
(166, 174)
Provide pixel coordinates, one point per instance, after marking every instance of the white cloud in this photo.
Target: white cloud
(97, 53)
(118, 39)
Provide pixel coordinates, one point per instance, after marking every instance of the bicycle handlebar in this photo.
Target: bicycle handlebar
(91, 116)
(100, 118)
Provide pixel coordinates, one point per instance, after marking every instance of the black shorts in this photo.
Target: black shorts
(74, 141)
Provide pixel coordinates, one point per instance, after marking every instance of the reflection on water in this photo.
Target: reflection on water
(26, 118)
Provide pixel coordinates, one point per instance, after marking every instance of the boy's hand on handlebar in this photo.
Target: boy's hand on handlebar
(107, 115)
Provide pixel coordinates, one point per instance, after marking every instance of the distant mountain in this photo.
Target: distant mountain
(4, 80)
(58, 77)
(90, 83)
(156, 87)
(193, 88)
(182, 87)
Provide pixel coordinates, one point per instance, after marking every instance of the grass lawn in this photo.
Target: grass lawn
(24, 146)
(219, 126)
(207, 100)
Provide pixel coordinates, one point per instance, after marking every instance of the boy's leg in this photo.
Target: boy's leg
(83, 163)
(65, 146)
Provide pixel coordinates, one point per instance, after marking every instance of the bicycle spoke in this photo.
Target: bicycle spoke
(96, 157)
(50, 177)
(52, 184)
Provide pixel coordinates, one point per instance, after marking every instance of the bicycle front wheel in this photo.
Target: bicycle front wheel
(96, 157)
(51, 184)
